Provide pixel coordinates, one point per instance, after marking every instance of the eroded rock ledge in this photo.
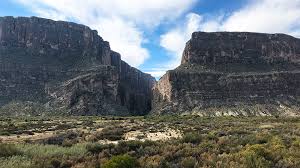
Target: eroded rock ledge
(231, 73)
(67, 66)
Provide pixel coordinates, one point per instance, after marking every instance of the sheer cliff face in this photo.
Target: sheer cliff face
(42, 43)
(67, 66)
(228, 73)
(223, 48)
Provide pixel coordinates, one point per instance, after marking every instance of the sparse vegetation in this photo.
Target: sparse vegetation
(8, 150)
(141, 142)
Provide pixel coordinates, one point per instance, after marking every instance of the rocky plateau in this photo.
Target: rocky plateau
(233, 73)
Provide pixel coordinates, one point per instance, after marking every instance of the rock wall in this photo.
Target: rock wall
(42, 43)
(233, 73)
(227, 48)
(68, 66)
(88, 94)
(134, 89)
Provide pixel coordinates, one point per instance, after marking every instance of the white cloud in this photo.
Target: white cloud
(124, 37)
(271, 16)
(117, 21)
(174, 42)
(266, 16)
(157, 72)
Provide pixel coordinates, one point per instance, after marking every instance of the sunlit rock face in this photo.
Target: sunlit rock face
(233, 73)
(67, 66)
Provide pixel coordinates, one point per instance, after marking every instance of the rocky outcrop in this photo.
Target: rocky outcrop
(229, 48)
(67, 66)
(135, 90)
(227, 73)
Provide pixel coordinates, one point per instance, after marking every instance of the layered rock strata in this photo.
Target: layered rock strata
(67, 66)
(233, 73)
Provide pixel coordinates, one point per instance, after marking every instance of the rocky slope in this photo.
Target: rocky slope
(227, 73)
(69, 67)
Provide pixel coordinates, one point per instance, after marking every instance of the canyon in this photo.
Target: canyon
(57, 67)
(67, 67)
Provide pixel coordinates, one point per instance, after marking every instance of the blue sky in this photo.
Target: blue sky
(151, 34)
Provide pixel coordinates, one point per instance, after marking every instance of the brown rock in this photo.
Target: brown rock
(227, 73)
(67, 66)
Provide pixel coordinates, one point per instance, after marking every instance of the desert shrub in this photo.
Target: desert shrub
(55, 163)
(30, 133)
(192, 138)
(150, 161)
(111, 133)
(71, 135)
(4, 133)
(223, 144)
(66, 164)
(7, 150)
(277, 148)
(130, 145)
(63, 126)
(255, 161)
(66, 139)
(88, 123)
(135, 146)
(262, 138)
(42, 151)
(255, 156)
(164, 164)
(96, 148)
(121, 161)
(15, 162)
(56, 140)
(68, 142)
(188, 162)
(296, 143)
(238, 131)
(211, 136)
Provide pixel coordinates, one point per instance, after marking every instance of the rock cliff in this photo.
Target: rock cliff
(233, 73)
(67, 66)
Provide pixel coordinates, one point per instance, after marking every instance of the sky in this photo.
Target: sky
(151, 34)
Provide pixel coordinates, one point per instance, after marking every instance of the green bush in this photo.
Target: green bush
(16, 162)
(130, 145)
(255, 156)
(96, 148)
(4, 133)
(192, 138)
(47, 151)
(7, 150)
(188, 162)
(121, 161)
(255, 161)
(111, 133)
